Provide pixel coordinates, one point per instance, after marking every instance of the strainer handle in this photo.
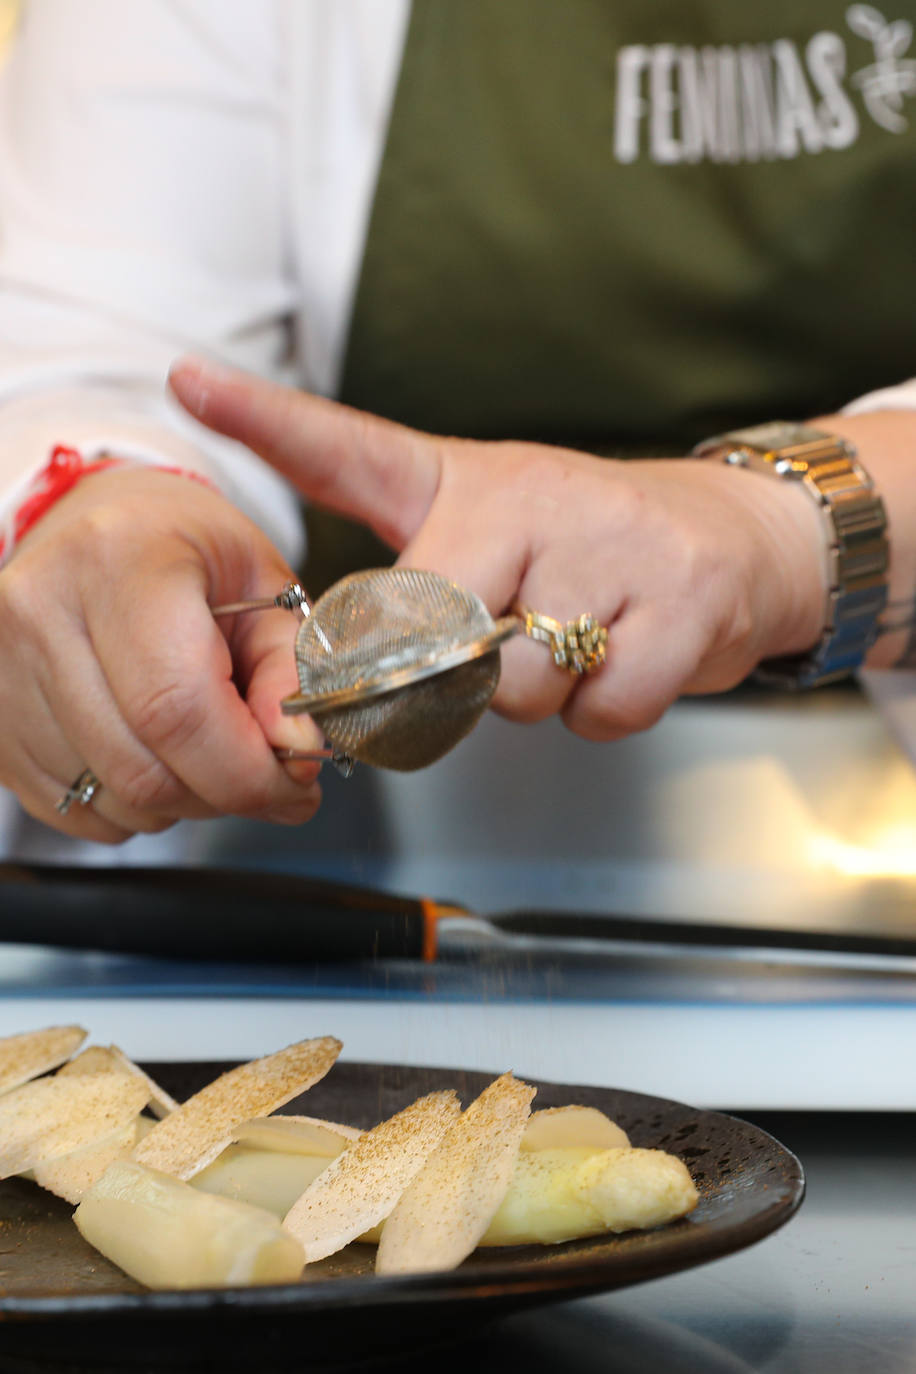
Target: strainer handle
(341, 761)
(292, 598)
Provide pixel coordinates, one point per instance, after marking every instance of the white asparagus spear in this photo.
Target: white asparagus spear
(307, 1135)
(360, 1187)
(72, 1175)
(440, 1218)
(566, 1194)
(50, 1117)
(196, 1132)
(166, 1234)
(272, 1179)
(31, 1053)
(556, 1127)
(98, 1058)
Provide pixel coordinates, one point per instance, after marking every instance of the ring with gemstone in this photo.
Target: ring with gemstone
(579, 646)
(81, 791)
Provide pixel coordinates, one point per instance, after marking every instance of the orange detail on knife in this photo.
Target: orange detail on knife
(431, 914)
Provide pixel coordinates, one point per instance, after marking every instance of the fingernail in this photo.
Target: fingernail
(303, 772)
(193, 379)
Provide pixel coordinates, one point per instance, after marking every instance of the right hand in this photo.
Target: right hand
(698, 570)
(110, 659)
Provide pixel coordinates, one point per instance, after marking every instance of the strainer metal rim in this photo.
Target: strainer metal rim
(434, 663)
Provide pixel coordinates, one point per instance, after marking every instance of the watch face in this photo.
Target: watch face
(778, 434)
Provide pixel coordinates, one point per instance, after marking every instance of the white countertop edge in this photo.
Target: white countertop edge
(757, 1058)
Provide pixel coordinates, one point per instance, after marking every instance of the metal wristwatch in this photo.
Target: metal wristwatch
(857, 545)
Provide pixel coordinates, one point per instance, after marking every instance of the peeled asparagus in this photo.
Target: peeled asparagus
(274, 1159)
(50, 1117)
(166, 1234)
(361, 1186)
(31, 1053)
(194, 1134)
(572, 1171)
(566, 1194)
(557, 1127)
(441, 1216)
(306, 1135)
(99, 1058)
(72, 1175)
(272, 1179)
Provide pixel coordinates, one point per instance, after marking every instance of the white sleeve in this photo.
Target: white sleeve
(902, 397)
(143, 213)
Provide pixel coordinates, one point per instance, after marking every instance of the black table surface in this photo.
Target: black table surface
(834, 1291)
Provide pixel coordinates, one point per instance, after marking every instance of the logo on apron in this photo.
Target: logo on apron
(753, 102)
(891, 77)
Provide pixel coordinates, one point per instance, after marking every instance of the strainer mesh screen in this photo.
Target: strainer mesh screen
(381, 622)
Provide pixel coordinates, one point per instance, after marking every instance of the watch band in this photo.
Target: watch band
(857, 546)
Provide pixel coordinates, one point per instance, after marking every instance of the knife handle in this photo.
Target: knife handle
(210, 913)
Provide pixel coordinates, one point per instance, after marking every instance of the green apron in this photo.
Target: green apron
(624, 225)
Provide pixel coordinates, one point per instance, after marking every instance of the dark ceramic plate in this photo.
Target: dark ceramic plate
(62, 1306)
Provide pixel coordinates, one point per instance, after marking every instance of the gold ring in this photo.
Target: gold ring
(579, 646)
(81, 791)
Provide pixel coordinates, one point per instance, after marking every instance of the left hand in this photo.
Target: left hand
(111, 659)
(698, 570)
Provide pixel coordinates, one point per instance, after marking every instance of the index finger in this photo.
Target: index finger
(372, 470)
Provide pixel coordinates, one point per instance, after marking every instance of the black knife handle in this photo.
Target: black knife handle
(206, 913)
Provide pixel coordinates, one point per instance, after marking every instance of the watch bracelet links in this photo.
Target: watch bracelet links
(857, 550)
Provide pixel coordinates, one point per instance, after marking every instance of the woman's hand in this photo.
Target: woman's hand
(699, 571)
(110, 659)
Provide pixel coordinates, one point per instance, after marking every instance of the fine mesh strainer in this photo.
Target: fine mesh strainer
(397, 665)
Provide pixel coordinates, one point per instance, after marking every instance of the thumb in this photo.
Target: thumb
(382, 474)
(266, 672)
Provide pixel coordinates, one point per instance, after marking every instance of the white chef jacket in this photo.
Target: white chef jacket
(201, 180)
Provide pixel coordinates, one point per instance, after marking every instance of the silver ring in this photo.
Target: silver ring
(82, 791)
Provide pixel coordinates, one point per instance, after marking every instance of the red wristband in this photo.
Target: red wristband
(60, 474)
